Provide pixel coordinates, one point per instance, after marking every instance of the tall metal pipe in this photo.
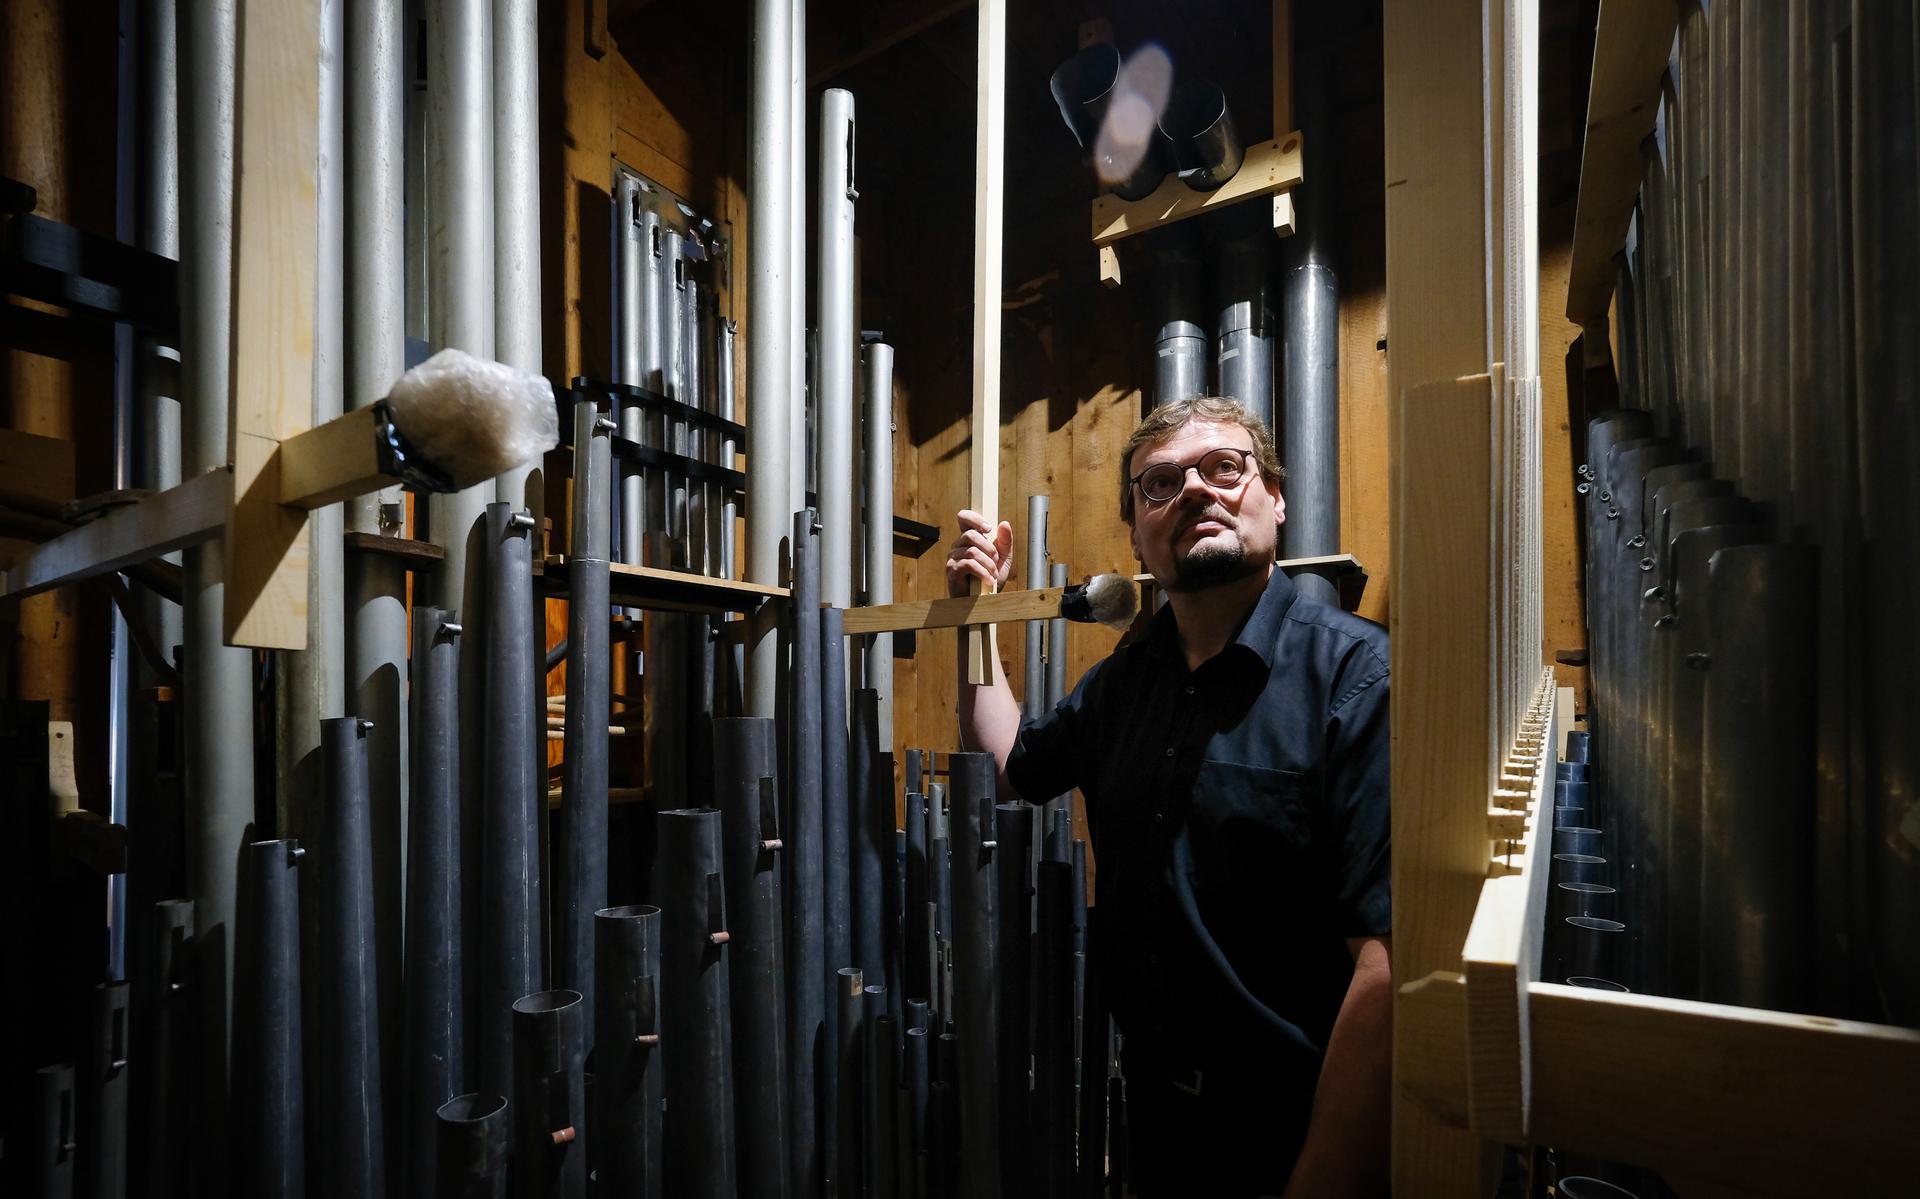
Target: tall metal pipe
(352, 1126)
(1034, 698)
(1179, 317)
(516, 216)
(628, 1150)
(550, 1132)
(375, 355)
(1310, 294)
(805, 883)
(976, 997)
(56, 1135)
(435, 1040)
(769, 333)
(514, 796)
(103, 1098)
(849, 1042)
(670, 284)
(796, 280)
(637, 228)
(580, 859)
(697, 1036)
(1057, 645)
(1243, 335)
(726, 529)
(840, 780)
(882, 1130)
(269, 1109)
(165, 1034)
(157, 362)
(1013, 885)
(470, 1145)
(877, 462)
(917, 927)
(693, 380)
(1053, 1019)
(871, 833)
(217, 680)
(838, 341)
(744, 776)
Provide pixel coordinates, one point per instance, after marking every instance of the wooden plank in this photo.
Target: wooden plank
(989, 209)
(36, 473)
(193, 512)
(337, 461)
(1041, 603)
(1442, 721)
(1772, 1103)
(1631, 44)
(1430, 1026)
(1269, 167)
(274, 263)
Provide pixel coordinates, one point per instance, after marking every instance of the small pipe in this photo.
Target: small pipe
(877, 462)
(1034, 697)
(628, 1148)
(1180, 340)
(269, 1107)
(56, 1135)
(696, 1035)
(435, 1034)
(849, 1155)
(166, 1063)
(872, 836)
(1013, 867)
(915, 1075)
(976, 999)
(352, 1119)
(516, 221)
(1053, 1025)
(103, 1172)
(838, 344)
(549, 1095)
(882, 1086)
(805, 887)
(470, 1148)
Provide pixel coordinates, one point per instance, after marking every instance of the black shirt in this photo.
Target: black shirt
(1239, 822)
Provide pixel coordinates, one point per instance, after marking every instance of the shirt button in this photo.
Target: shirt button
(1169, 751)
(1159, 817)
(1189, 688)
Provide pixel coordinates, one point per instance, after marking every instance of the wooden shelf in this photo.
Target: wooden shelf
(668, 590)
(1270, 169)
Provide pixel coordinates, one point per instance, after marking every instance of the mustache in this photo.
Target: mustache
(1213, 512)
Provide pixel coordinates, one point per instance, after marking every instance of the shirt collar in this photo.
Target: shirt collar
(1259, 633)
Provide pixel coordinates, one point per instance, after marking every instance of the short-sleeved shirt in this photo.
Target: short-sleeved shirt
(1239, 820)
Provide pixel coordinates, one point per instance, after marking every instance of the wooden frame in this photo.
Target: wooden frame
(989, 204)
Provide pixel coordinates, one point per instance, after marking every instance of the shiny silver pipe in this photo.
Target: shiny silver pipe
(633, 267)
(727, 508)
(375, 355)
(877, 374)
(838, 339)
(157, 364)
(414, 170)
(1180, 339)
(1243, 336)
(1310, 337)
(217, 683)
(1057, 645)
(672, 283)
(516, 217)
(694, 436)
(769, 330)
(797, 380)
(1034, 698)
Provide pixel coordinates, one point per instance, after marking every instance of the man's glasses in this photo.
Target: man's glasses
(1222, 468)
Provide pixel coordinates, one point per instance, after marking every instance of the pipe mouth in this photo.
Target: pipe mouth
(1081, 87)
(1199, 128)
(631, 911)
(1590, 983)
(1584, 1186)
(1596, 924)
(474, 1108)
(545, 1001)
(1579, 859)
(1587, 888)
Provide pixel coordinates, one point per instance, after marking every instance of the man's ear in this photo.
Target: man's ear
(1279, 504)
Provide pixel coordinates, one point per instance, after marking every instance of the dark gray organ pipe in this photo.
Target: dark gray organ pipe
(837, 782)
(805, 885)
(470, 1148)
(103, 1173)
(352, 1125)
(872, 830)
(917, 924)
(56, 1135)
(1179, 316)
(435, 1040)
(580, 857)
(549, 1096)
(1057, 678)
(915, 1080)
(1034, 696)
(849, 1041)
(882, 1080)
(976, 983)
(637, 228)
(164, 1059)
(217, 679)
(1197, 130)
(1053, 1030)
(1013, 867)
(627, 1149)
(269, 1107)
(514, 798)
(893, 876)
(1243, 334)
(744, 774)
(1309, 430)
(696, 1036)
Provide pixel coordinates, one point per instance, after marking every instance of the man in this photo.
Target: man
(1234, 763)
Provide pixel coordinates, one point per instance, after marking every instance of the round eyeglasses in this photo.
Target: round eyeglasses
(1223, 468)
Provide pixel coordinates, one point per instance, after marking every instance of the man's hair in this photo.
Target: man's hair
(1171, 417)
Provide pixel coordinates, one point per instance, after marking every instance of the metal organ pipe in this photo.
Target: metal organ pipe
(878, 461)
(835, 355)
(516, 207)
(1310, 416)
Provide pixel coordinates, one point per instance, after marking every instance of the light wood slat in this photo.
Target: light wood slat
(193, 512)
(1268, 168)
(989, 207)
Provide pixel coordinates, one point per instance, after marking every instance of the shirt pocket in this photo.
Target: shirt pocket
(1248, 825)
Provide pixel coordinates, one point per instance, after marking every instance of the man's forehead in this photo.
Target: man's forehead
(1196, 432)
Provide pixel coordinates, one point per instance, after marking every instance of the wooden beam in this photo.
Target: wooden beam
(193, 512)
(1430, 1021)
(1770, 1103)
(1632, 41)
(337, 461)
(36, 473)
(989, 210)
(1269, 167)
(956, 612)
(274, 263)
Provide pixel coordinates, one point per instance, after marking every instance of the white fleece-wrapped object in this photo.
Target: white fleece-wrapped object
(473, 419)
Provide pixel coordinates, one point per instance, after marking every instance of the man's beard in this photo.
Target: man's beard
(1212, 564)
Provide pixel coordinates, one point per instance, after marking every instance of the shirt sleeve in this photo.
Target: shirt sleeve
(1046, 756)
(1358, 789)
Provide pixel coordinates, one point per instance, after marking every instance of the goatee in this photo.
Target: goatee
(1210, 565)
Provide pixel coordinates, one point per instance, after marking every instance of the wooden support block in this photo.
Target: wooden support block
(1109, 267)
(1506, 824)
(1285, 221)
(36, 473)
(274, 264)
(1430, 1033)
(193, 512)
(1269, 167)
(334, 462)
(956, 612)
(989, 202)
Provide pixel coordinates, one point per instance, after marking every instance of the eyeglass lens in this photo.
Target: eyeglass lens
(1218, 468)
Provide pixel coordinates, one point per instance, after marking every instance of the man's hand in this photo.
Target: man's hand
(979, 552)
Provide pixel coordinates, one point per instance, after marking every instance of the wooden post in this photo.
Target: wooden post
(989, 203)
(273, 298)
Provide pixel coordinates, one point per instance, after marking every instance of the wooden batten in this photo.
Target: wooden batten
(989, 205)
(334, 462)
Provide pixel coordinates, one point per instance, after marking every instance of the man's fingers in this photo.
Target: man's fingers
(969, 519)
(1003, 539)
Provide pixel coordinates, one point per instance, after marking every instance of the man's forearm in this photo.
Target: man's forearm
(1348, 1142)
(989, 716)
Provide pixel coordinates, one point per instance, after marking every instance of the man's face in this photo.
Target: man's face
(1206, 536)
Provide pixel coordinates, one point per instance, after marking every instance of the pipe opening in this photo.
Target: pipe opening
(1206, 147)
(545, 1001)
(1081, 86)
(471, 1109)
(631, 911)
